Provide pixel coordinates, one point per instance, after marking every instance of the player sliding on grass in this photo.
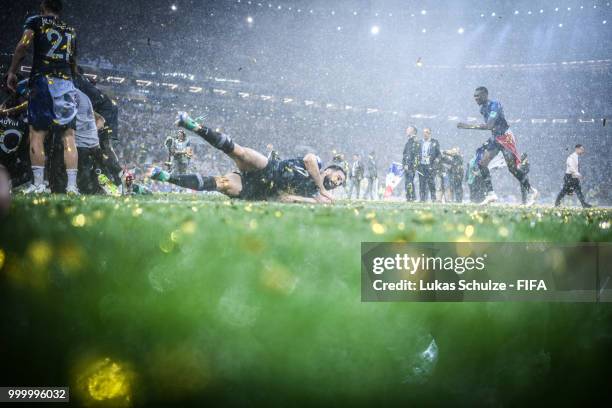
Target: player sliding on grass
(259, 178)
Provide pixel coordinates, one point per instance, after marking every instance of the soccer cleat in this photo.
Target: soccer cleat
(185, 121)
(34, 189)
(72, 191)
(158, 174)
(107, 185)
(531, 197)
(489, 198)
(200, 120)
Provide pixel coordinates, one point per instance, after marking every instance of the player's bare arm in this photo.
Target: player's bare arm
(20, 52)
(312, 167)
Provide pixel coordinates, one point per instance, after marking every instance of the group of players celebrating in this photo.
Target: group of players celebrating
(61, 101)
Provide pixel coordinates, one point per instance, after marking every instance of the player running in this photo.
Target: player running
(502, 140)
(299, 180)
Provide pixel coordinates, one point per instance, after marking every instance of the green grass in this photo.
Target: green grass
(188, 299)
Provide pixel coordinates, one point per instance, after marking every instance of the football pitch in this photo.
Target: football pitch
(188, 299)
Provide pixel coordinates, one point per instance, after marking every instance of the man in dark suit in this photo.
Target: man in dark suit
(356, 175)
(429, 158)
(410, 161)
(372, 176)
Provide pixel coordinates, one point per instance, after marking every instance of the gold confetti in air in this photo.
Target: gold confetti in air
(503, 232)
(253, 224)
(2, 258)
(278, 214)
(469, 231)
(137, 212)
(604, 225)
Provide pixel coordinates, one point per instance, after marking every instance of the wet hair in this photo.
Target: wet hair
(54, 6)
(578, 146)
(482, 89)
(336, 167)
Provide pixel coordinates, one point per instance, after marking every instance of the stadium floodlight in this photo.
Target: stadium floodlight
(516, 12)
(142, 82)
(560, 25)
(375, 30)
(249, 20)
(493, 14)
(424, 30)
(219, 91)
(195, 89)
(243, 94)
(171, 86)
(287, 100)
(371, 110)
(460, 30)
(423, 12)
(115, 80)
(173, 7)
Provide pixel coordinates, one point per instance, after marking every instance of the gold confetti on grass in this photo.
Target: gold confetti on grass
(39, 253)
(79, 220)
(378, 228)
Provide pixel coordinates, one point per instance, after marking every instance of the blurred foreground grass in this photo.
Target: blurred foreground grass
(185, 300)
